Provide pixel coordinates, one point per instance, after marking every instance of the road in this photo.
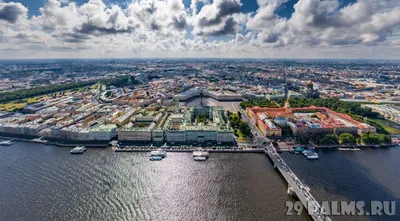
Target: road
(257, 135)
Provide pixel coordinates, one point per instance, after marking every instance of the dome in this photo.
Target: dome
(309, 85)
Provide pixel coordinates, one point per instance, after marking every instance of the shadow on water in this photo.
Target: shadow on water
(367, 175)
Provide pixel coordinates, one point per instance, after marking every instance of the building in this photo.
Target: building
(219, 95)
(135, 134)
(103, 132)
(310, 91)
(144, 126)
(187, 127)
(305, 121)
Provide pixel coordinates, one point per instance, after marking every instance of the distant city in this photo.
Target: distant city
(144, 100)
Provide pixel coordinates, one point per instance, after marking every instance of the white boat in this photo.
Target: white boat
(313, 156)
(155, 158)
(308, 152)
(200, 153)
(6, 143)
(199, 158)
(78, 150)
(158, 153)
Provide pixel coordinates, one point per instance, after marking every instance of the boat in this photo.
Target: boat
(313, 156)
(78, 150)
(6, 143)
(299, 150)
(158, 153)
(308, 152)
(155, 158)
(341, 148)
(200, 153)
(199, 158)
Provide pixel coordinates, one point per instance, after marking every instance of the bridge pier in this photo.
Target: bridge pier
(291, 191)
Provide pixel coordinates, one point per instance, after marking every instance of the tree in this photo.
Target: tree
(373, 138)
(364, 138)
(346, 138)
(329, 139)
(383, 138)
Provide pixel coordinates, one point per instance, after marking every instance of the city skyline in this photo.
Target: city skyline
(353, 29)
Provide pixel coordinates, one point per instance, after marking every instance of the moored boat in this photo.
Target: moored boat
(200, 153)
(299, 150)
(313, 156)
(78, 150)
(158, 153)
(155, 158)
(308, 152)
(6, 143)
(199, 158)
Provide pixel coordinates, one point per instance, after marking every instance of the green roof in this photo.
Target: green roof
(104, 127)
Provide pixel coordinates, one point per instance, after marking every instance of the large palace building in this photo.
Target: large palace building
(202, 124)
(305, 121)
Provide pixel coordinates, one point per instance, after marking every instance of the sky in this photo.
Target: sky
(200, 28)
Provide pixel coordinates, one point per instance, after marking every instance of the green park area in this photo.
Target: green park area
(240, 128)
(389, 126)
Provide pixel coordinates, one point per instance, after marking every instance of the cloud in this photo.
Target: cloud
(11, 12)
(321, 23)
(166, 27)
(217, 18)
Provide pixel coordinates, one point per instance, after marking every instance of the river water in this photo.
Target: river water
(366, 175)
(40, 182)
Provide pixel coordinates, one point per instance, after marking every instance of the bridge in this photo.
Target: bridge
(295, 186)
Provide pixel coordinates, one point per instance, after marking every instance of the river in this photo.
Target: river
(366, 175)
(40, 182)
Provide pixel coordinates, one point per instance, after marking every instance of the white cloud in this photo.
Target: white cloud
(12, 12)
(217, 18)
(160, 28)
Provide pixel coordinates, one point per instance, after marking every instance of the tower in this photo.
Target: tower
(286, 86)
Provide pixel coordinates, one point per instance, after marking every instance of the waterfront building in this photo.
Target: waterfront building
(103, 132)
(212, 128)
(135, 134)
(306, 120)
(143, 127)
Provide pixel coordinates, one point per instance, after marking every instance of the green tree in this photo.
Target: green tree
(329, 139)
(347, 138)
(383, 138)
(364, 138)
(373, 138)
